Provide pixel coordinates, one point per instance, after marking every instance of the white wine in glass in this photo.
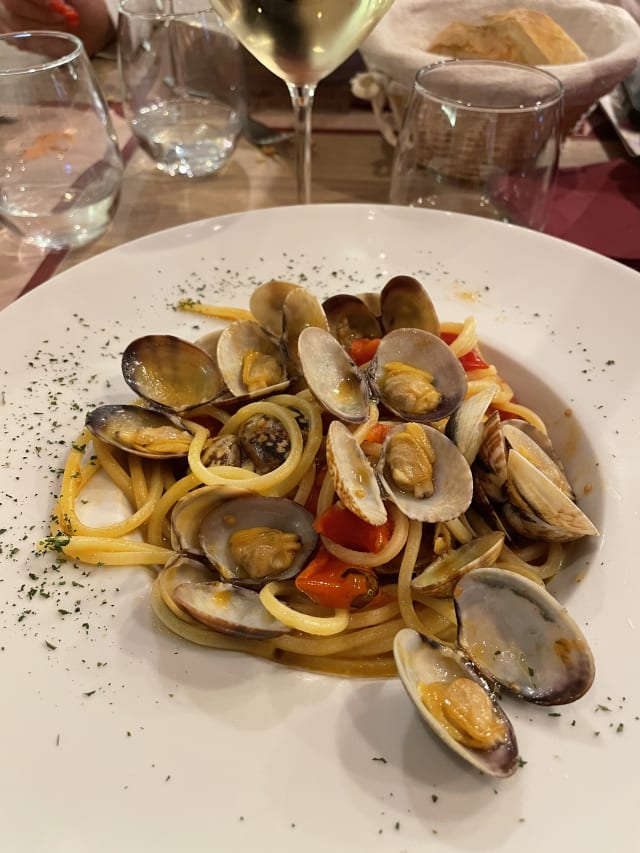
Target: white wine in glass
(301, 41)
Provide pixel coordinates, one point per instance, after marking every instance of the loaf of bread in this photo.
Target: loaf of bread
(520, 35)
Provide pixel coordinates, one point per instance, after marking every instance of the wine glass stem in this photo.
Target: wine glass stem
(302, 100)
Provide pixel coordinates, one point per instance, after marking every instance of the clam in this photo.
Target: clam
(300, 309)
(222, 450)
(353, 477)
(456, 703)
(441, 575)
(250, 360)
(511, 632)
(519, 636)
(424, 488)
(416, 376)
(404, 303)
(535, 446)
(350, 318)
(536, 498)
(490, 463)
(265, 303)
(228, 609)
(209, 342)
(146, 432)
(190, 510)
(332, 376)
(264, 441)
(465, 427)
(252, 539)
(517, 469)
(171, 373)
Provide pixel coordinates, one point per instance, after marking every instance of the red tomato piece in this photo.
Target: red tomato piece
(363, 349)
(470, 360)
(345, 528)
(331, 583)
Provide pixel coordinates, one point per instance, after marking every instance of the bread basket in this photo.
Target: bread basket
(396, 49)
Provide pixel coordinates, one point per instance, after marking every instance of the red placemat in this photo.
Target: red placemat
(598, 207)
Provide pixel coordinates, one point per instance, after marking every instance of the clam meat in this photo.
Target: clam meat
(253, 539)
(416, 376)
(424, 473)
(142, 431)
(456, 703)
(250, 360)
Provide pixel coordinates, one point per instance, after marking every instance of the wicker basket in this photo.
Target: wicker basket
(395, 51)
(467, 156)
(499, 135)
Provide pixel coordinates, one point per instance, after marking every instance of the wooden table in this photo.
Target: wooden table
(351, 163)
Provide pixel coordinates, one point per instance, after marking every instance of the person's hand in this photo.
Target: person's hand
(88, 19)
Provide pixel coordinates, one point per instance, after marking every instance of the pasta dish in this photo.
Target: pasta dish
(299, 506)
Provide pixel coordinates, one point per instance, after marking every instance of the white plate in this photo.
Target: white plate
(124, 738)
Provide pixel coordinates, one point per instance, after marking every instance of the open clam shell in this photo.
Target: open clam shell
(332, 376)
(441, 575)
(300, 310)
(244, 340)
(228, 609)
(145, 432)
(425, 353)
(190, 510)
(350, 318)
(353, 477)
(422, 661)
(490, 462)
(171, 373)
(537, 448)
(266, 301)
(404, 303)
(519, 636)
(465, 427)
(452, 480)
(253, 539)
(534, 495)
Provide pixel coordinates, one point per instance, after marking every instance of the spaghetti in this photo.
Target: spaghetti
(361, 575)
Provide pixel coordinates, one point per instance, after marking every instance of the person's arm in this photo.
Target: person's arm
(90, 20)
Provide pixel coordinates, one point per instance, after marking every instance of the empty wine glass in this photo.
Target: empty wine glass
(480, 137)
(301, 41)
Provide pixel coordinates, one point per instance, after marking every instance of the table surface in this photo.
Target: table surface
(351, 163)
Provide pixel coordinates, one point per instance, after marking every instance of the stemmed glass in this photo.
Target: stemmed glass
(301, 41)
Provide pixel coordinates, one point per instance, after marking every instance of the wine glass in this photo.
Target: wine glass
(301, 41)
(480, 137)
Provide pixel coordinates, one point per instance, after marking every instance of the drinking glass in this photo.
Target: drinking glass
(183, 82)
(301, 41)
(480, 137)
(60, 166)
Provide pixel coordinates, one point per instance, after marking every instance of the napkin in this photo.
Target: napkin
(598, 207)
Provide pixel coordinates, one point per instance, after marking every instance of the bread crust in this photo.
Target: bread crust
(525, 36)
